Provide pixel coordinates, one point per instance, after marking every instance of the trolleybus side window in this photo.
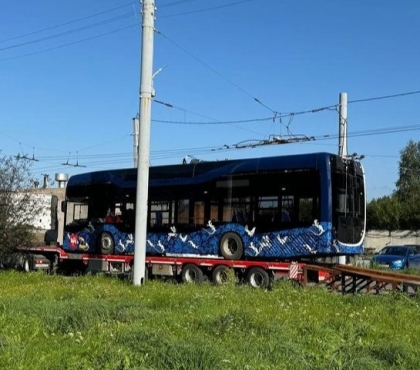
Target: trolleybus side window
(160, 213)
(76, 212)
(182, 212)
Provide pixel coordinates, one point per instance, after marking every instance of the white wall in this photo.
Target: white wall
(377, 239)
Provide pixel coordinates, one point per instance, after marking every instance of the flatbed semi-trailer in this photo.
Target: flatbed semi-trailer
(188, 269)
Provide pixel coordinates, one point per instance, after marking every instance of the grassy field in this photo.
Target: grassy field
(97, 322)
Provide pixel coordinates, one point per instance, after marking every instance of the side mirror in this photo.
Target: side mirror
(63, 206)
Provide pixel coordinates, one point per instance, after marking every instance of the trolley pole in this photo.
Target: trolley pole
(146, 94)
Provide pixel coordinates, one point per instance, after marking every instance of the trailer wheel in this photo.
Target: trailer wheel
(220, 275)
(257, 277)
(192, 274)
(106, 243)
(231, 246)
(27, 264)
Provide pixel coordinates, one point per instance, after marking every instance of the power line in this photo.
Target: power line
(126, 157)
(168, 105)
(216, 72)
(205, 10)
(292, 114)
(381, 131)
(64, 33)
(384, 97)
(215, 123)
(279, 116)
(176, 3)
(65, 24)
(71, 43)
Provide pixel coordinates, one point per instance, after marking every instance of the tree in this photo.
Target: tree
(18, 203)
(401, 210)
(384, 213)
(408, 186)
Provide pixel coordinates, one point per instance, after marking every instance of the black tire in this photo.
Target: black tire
(257, 277)
(192, 274)
(27, 264)
(106, 243)
(220, 275)
(231, 246)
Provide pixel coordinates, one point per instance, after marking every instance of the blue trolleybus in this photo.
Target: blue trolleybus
(280, 208)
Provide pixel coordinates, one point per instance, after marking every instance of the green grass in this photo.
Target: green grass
(96, 322)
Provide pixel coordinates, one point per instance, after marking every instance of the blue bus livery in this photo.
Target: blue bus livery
(284, 207)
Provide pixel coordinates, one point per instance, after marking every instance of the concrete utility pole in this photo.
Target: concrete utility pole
(146, 94)
(135, 139)
(342, 135)
(342, 144)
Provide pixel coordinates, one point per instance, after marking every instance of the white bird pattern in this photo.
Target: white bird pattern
(256, 250)
(190, 242)
(265, 242)
(250, 232)
(161, 246)
(310, 249)
(211, 227)
(124, 245)
(172, 234)
(319, 227)
(282, 240)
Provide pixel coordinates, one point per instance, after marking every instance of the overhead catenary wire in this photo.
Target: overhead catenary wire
(107, 160)
(65, 33)
(168, 105)
(71, 43)
(82, 28)
(217, 73)
(394, 129)
(385, 97)
(175, 3)
(214, 123)
(275, 113)
(107, 33)
(203, 10)
(278, 116)
(90, 16)
(66, 23)
(333, 107)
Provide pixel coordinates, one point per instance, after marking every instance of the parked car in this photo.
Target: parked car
(414, 261)
(396, 257)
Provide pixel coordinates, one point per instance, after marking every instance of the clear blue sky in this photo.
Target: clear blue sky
(70, 74)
